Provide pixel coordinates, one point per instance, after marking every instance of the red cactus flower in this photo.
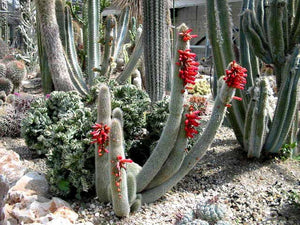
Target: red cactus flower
(101, 137)
(191, 122)
(188, 66)
(186, 36)
(236, 76)
(117, 170)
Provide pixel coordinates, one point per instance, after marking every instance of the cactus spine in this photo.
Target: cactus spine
(155, 25)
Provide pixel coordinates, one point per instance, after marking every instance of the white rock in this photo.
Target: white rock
(11, 166)
(33, 183)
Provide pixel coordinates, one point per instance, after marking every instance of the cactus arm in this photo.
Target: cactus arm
(77, 76)
(174, 160)
(285, 29)
(93, 48)
(275, 19)
(110, 24)
(122, 32)
(259, 120)
(118, 114)
(167, 140)
(295, 29)
(213, 37)
(118, 184)
(135, 56)
(286, 106)
(255, 36)
(225, 30)
(199, 149)
(102, 163)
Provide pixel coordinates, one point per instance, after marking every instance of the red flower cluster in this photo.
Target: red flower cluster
(100, 136)
(236, 76)
(186, 36)
(191, 123)
(188, 66)
(117, 171)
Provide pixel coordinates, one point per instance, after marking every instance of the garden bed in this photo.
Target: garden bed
(256, 191)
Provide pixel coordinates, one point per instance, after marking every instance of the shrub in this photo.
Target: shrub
(59, 127)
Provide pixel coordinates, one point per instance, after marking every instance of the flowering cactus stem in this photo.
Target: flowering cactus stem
(110, 43)
(174, 160)
(102, 163)
(133, 60)
(118, 177)
(256, 120)
(167, 140)
(287, 104)
(196, 153)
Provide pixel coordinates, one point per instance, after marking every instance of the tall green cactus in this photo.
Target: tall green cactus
(265, 34)
(155, 25)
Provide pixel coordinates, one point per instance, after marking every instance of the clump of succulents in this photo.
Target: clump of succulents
(201, 87)
(58, 126)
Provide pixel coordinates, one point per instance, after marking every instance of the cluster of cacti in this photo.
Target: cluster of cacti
(169, 161)
(269, 33)
(201, 87)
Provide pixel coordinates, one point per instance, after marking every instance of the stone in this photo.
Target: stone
(11, 166)
(67, 213)
(33, 183)
(4, 186)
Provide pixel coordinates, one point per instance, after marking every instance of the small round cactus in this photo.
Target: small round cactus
(184, 219)
(211, 211)
(6, 85)
(2, 70)
(198, 222)
(3, 96)
(10, 98)
(1, 102)
(16, 71)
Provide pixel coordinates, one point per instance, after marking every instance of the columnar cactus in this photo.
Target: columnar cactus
(110, 44)
(155, 25)
(2, 70)
(265, 34)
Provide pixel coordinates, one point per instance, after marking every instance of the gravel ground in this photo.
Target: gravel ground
(256, 191)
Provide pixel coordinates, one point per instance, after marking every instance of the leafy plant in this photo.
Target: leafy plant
(287, 150)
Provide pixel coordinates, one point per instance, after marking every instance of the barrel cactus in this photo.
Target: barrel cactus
(6, 85)
(2, 70)
(16, 71)
(211, 211)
